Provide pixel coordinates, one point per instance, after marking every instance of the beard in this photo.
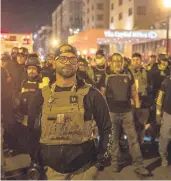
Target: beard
(32, 76)
(66, 72)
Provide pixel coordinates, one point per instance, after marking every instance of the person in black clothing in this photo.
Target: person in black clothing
(14, 53)
(155, 77)
(163, 112)
(6, 101)
(68, 146)
(30, 85)
(18, 74)
(118, 87)
(83, 70)
(96, 72)
(48, 70)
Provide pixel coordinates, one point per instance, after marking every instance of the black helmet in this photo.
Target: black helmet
(82, 60)
(23, 51)
(14, 50)
(33, 55)
(33, 61)
(64, 49)
(163, 56)
(100, 52)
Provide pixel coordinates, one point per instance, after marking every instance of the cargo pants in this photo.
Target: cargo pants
(165, 134)
(126, 121)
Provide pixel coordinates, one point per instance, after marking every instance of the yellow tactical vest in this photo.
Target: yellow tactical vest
(62, 120)
(140, 81)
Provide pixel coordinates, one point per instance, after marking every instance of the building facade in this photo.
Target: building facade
(43, 40)
(95, 14)
(67, 19)
(135, 14)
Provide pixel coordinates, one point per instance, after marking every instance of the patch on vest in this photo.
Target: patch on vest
(73, 99)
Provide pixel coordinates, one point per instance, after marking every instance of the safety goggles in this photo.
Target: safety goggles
(64, 59)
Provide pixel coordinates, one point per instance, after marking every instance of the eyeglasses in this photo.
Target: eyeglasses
(64, 59)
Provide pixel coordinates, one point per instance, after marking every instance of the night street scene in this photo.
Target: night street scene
(85, 89)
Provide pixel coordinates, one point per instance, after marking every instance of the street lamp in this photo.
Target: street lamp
(55, 43)
(167, 4)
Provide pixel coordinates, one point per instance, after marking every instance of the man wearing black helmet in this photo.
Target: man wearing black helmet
(73, 113)
(156, 76)
(32, 83)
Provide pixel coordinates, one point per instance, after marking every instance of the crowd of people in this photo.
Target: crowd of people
(69, 112)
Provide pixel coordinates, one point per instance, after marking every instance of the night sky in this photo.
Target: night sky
(26, 16)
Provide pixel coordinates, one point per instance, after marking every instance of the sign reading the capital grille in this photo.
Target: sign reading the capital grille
(130, 34)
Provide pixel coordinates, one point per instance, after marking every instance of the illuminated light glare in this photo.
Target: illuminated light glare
(167, 3)
(55, 42)
(131, 34)
(28, 36)
(78, 53)
(92, 51)
(35, 36)
(5, 36)
(1, 36)
(85, 52)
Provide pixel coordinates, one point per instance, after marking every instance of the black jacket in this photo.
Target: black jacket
(69, 158)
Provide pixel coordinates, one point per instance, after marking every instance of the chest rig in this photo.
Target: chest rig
(29, 88)
(62, 120)
(141, 81)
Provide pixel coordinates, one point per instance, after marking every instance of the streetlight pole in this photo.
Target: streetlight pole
(167, 33)
(167, 4)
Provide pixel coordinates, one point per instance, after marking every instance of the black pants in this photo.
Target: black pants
(126, 121)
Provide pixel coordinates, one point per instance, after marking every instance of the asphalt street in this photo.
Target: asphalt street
(152, 163)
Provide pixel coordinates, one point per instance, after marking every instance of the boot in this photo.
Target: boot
(141, 170)
(116, 167)
(164, 161)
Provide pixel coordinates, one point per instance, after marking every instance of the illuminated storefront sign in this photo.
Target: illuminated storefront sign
(130, 34)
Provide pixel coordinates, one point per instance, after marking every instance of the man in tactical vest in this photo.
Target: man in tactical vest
(99, 69)
(156, 76)
(30, 86)
(163, 112)
(140, 76)
(119, 87)
(72, 114)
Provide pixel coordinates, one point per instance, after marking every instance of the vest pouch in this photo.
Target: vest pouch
(63, 125)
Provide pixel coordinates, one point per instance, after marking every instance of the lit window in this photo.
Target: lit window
(120, 16)
(99, 6)
(141, 10)
(120, 2)
(130, 11)
(99, 17)
(112, 6)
